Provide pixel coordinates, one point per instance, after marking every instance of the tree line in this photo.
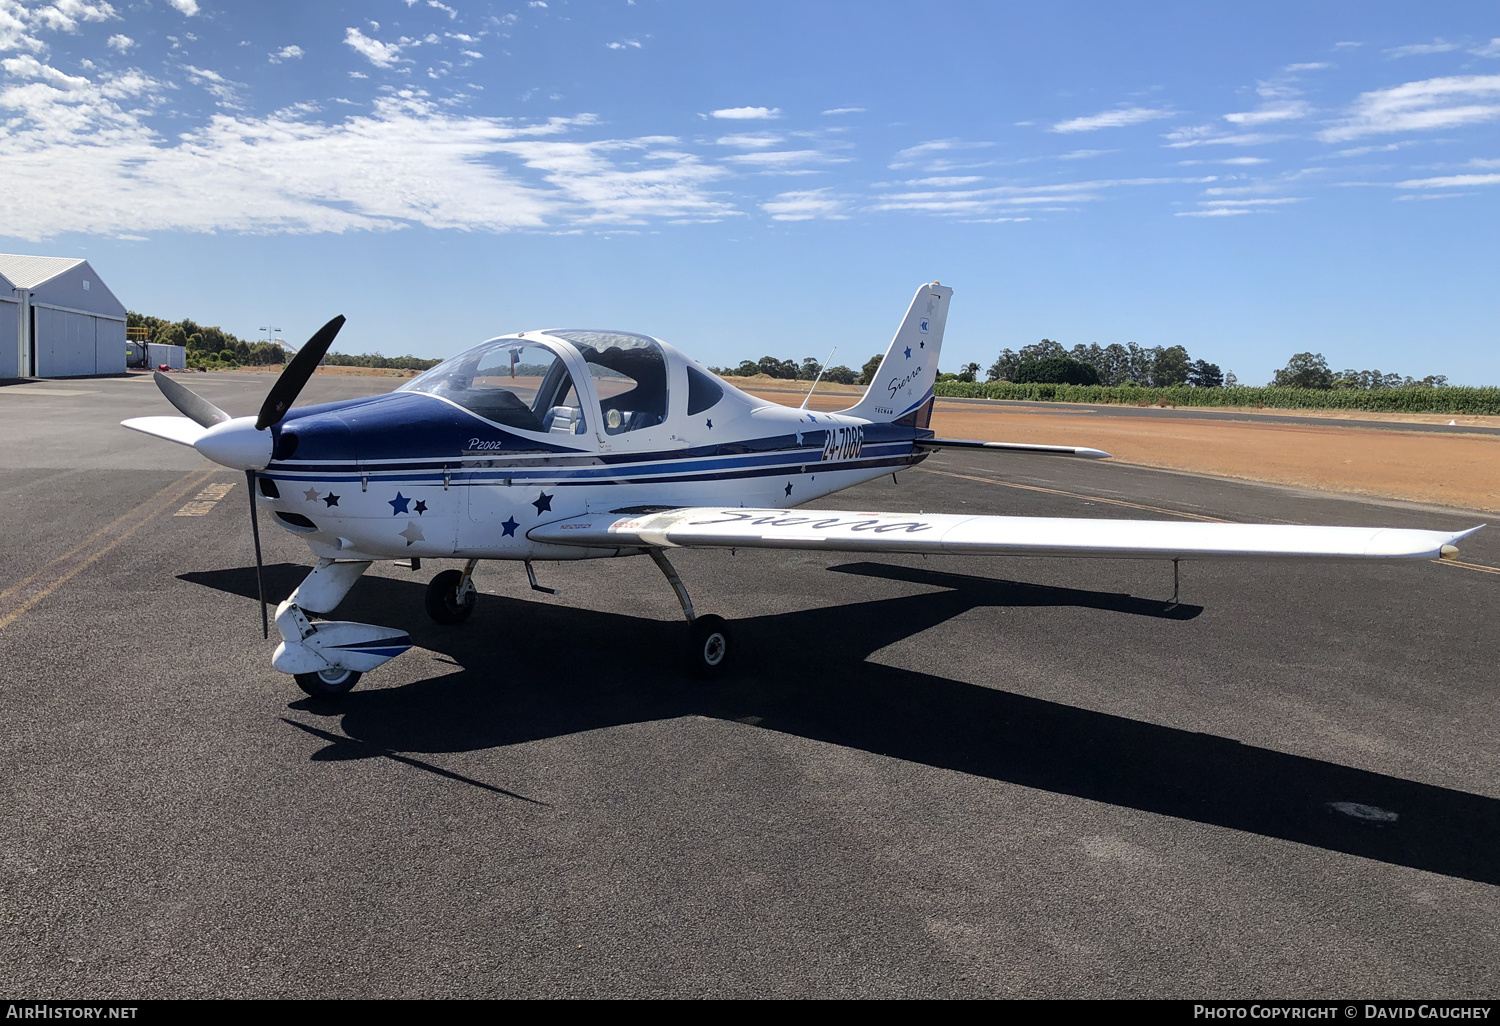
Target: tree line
(213, 348)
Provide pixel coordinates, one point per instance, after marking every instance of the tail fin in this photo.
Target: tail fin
(902, 388)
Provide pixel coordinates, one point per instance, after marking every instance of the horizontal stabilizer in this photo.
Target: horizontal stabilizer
(173, 429)
(1053, 450)
(839, 530)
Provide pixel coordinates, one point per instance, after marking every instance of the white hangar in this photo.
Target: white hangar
(57, 319)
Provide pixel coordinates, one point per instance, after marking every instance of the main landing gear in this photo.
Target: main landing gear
(709, 641)
(451, 597)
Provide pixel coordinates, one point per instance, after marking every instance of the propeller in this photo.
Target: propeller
(290, 383)
(189, 403)
(235, 442)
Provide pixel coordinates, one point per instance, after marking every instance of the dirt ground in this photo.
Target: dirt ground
(1443, 469)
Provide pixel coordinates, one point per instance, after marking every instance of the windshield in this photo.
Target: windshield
(518, 384)
(630, 376)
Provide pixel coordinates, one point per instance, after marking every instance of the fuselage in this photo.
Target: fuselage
(530, 429)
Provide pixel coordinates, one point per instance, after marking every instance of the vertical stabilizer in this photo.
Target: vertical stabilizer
(903, 385)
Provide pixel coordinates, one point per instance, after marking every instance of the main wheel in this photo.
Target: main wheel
(709, 645)
(327, 683)
(443, 603)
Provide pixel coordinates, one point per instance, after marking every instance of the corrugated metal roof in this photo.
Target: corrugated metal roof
(27, 272)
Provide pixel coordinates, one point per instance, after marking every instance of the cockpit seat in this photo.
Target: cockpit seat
(563, 420)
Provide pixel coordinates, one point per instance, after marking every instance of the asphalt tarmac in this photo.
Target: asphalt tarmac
(927, 778)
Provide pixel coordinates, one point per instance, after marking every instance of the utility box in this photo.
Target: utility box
(175, 357)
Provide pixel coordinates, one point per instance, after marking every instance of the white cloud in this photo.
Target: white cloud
(120, 42)
(444, 8)
(923, 151)
(1449, 182)
(407, 162)
(861, 110)
(216, 85)
(537, 3)
(1309, 66)
(1215, 212)
(1415, 106)
(1422, 49)
(1346, 45)
(807, 205)
(1264, 202)
(624, 44)
(747, 113)
(1490, 49)
(287, 53)
(1002, 199)
(1209, 135)
(749, 140)
(782, 158)
(1083, 154)
(1234, 161)
(1286, 111)
(382, 55)
(1111, 119)
(187, 7)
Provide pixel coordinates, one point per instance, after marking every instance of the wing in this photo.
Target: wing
(173, 429)
(839, 530)
(1051, 450)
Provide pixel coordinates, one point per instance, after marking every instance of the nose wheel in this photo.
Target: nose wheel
(451, 597)
(328, 683)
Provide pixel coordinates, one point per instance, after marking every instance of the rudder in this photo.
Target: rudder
(903, 384)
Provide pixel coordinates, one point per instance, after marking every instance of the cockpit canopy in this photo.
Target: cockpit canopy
(528, 383)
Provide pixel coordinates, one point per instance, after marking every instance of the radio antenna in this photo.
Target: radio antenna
(819, 378)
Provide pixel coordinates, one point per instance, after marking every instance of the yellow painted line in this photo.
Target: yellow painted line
(204, 502)
(1469, 566)
(1075, 495)
(18, 598)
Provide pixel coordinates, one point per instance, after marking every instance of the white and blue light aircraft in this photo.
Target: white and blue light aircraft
(585, 444)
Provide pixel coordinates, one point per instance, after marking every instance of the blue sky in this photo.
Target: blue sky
(1245, 180)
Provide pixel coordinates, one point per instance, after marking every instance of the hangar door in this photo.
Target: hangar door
(9, 339)
(70, 344)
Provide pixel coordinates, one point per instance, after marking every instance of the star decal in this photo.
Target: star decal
(412, 533)
(398, 504)
(921, 344)
(311, 495)
(799, 437)
(509, 525)
(420, 507)
(543, 503)
(331, 499)
(789, 488)
(930, 305)
(710, 423)
(908, 352)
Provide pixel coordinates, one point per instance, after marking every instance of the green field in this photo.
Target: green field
(1380, 400)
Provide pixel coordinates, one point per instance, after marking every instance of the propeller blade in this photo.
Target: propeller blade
(260, 584)
(189, 403)
(287, 387)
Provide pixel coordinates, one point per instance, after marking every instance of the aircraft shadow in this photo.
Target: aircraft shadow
(806, 673)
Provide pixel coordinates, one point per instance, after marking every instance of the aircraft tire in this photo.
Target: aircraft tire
(442, 598)
(709, 647)
(329, 684)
